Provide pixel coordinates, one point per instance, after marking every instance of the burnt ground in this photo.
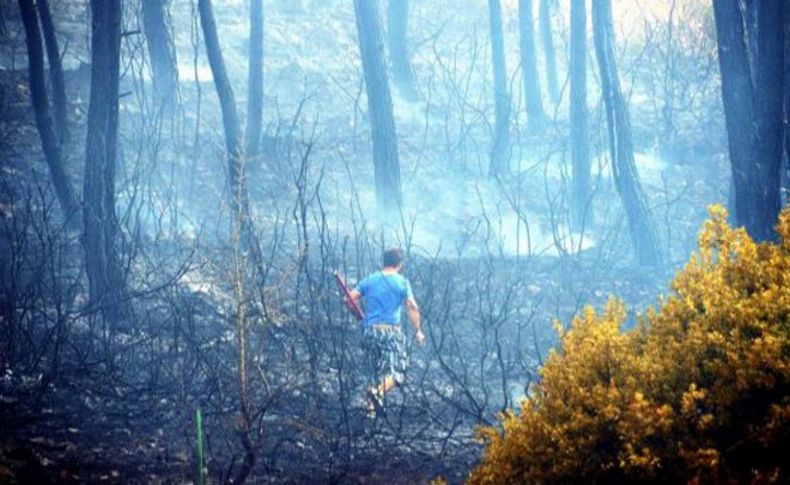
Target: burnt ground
(81, 429)
(119, 406)
(84, 401)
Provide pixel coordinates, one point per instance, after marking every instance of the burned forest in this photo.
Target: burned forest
(394, 241)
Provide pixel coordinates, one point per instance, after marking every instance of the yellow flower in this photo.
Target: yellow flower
(696, 392)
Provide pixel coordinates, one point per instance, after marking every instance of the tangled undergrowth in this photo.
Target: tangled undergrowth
(697, 392)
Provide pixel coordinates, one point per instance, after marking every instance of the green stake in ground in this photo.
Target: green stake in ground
(199, 432)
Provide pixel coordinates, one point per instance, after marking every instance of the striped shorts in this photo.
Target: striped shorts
(385, 348)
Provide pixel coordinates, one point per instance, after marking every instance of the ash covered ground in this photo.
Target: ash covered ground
(494, 263)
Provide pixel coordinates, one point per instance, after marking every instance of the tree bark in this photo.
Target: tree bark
(500, 153)
(161, 51)
(736, 87)
(548, 49)
(255, 82)
(753, 115)
(55, 71)
(243, 228)
(236, 158)
(3, 27)
(230, 118)
(101, 225)
(785, 182)
(382, 123)
(770, 80)
(397, 28)
(640, 224)
(750, 13)
(46, 130)
(580, 148)
(536, 117)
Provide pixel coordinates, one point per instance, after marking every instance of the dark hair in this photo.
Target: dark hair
(392, 257)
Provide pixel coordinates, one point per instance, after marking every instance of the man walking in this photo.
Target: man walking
(384, 293)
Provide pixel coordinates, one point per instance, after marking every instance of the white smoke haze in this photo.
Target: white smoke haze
(494, 261)
(450, 209)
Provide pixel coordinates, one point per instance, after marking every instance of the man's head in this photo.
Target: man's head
(392, 258)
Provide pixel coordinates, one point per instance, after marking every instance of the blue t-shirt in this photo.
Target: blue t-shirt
(384, 296)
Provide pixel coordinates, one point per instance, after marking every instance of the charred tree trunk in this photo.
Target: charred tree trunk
(38, 96)
(536, 117)
(736, 89)
(580, 148)
(161, 52)
(382, 122)
(548, 49)
(770, 83)
(230, 117)
(753, 115)
(243, 231)
(500, 153)
(640, 224)
(750, 14)
(785, 182)
(236, 158)
(3, 27)
(397, 28)
(55, 71)
(101, 224)
(255, 82)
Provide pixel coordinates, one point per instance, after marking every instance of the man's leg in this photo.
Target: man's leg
(376, 393)
(393, 361)
(387, 383)
(388, 358)
(378, 377)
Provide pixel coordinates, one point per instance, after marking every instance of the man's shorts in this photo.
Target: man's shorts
(385, 348)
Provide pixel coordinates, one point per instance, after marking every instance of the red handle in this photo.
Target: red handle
(352, 305)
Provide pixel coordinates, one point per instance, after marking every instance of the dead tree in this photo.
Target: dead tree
(750, 11)
(3, 26)
(101, 224)
(162, 53)
(382, 123)
(236, 157)
(580, 147)
(500, 153)
(548, 49)
(786, 168)
(640, 223)
(753, 115)
(255, 82)
(46, 130)
(57, 83)
(536, 117)
(230, 117)
(397, 29)
(243, 232)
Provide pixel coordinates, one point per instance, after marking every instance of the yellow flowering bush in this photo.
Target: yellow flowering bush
(699, 391)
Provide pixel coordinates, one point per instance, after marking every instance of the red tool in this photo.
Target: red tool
(350, 303)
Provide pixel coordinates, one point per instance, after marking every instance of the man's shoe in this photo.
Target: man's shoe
(375, 402)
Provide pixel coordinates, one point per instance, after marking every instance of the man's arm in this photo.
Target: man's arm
(413, 311)
(353, 296)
